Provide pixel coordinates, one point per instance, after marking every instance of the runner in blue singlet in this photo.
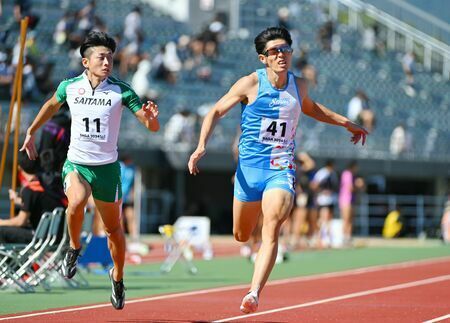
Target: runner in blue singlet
(272, 99)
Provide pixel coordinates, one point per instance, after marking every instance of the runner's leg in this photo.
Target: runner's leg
(110, 214)
(77, 190)
(276, 205)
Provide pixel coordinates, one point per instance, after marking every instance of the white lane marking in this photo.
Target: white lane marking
(358, 271)
(343, 297)
(438, 319)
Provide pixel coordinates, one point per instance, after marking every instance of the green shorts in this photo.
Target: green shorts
(104, 179)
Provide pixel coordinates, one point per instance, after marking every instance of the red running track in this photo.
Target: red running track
(410, 292)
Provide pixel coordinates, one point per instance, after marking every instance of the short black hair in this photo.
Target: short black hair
(97, 38)
(28, 166)
(269, 34)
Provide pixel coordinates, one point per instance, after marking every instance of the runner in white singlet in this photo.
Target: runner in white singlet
(96, 101)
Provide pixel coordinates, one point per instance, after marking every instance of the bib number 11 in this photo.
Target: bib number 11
(93, 130)
(96, 121)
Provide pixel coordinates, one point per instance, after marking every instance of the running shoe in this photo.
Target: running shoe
(69, 264)
(249, 303)
(118, 292)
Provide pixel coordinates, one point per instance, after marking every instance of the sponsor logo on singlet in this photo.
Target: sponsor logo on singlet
(92, 101)
(278, 102)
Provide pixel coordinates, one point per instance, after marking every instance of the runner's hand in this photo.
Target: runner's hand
(29, 147)
(194, 159)
(150, 110)
(358, 133)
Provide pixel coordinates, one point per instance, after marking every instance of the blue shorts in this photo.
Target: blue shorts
(250, 182)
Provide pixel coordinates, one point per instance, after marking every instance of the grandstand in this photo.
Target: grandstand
(340, 73)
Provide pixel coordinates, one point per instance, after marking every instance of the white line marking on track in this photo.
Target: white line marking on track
(343, 297)
(438, 319)
(235, 287)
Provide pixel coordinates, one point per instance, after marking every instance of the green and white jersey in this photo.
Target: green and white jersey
(96, 115)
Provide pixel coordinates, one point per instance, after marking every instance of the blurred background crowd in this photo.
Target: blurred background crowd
(354, 62)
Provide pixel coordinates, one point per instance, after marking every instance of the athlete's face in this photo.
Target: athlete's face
(277, 55)
(99, 61)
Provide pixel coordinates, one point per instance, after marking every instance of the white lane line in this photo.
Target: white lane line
(350, 272)
(438, 319)
(343, 297)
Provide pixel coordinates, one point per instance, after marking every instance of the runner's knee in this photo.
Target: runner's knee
(271, 229)
(240, 235)
(76, 204)
(112, 232)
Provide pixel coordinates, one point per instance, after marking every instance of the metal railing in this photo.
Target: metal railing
(433, 49)
(421, 214)
(414, 16)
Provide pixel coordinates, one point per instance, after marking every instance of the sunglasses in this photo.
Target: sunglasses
(285, 49)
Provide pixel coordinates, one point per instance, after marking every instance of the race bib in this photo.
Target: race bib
(275, 131)
(94, 130)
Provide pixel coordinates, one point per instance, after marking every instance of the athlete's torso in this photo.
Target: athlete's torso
(269, 125)
(96, 115)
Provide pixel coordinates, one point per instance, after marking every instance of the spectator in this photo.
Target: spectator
(6, 74)
(34, 199)
(445, 223)
(140, 80)
(326, 184)
(348, 187)
(171, 60)
(183, 49)
(132, 25)
(64, 28)
(325, 35)
(308, 70)
(359, 111)
(369, 41)
(130, 56)
(408, 68)
(400, 142)
(53, 147)
(283, 18)
(304, 212)
(86, 17)
(196, 56)
(21, 9)
(213, 35)
(356, 105)
(162, 71)
(181, 127)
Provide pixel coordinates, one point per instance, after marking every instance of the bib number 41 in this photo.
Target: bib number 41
(275, 131)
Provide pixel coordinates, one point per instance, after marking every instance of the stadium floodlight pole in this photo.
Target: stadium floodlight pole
(18, 105)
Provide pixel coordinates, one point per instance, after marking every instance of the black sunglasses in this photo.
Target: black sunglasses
(286, 49)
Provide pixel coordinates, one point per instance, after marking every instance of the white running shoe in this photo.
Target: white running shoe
(249, 303)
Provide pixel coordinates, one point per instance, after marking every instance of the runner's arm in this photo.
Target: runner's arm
(322, 113)
(47, 111)
(148, 116)
(237, 93)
